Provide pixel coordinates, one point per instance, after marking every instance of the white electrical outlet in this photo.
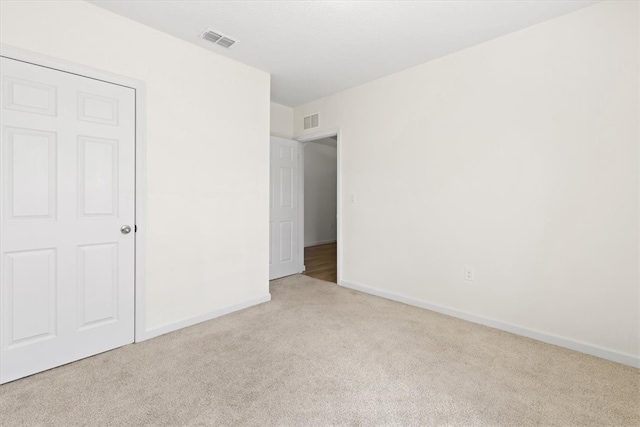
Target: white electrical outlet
(353, 198)
(468, 274)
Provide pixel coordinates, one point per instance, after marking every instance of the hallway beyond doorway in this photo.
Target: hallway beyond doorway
(321, 262)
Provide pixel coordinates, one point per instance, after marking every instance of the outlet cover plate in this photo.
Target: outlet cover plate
(469, 274)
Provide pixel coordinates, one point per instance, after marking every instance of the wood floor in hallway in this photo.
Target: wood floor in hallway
(321, 262)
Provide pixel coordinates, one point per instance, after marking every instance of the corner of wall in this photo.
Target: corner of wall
(281, 121)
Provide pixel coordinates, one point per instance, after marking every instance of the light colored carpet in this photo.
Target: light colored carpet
(320, 355)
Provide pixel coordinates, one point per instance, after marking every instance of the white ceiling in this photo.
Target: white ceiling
(315, 48)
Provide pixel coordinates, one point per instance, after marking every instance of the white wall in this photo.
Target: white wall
(207, 152)
(281, 121)
(320, 173)
(517, 157)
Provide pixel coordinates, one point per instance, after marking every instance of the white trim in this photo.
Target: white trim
(301, 154)
(312, 136)
(174, 326)
(68, 67)
(141, 213)
(614, 356)
(319, 134)
(321, 242)
(140, 162)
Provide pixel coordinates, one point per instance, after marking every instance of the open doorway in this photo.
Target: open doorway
(289, 237)
(320, 189)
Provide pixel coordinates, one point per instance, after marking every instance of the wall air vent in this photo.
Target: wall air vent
(312, 121)
(217, 38)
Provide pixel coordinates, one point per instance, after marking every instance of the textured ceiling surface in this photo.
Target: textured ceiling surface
(315, 48)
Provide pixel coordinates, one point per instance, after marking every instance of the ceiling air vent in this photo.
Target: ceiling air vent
(312, 121)
(217, 38)
(212, 36)
(226, 42)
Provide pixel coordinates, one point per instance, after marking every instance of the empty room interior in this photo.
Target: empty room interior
(318, 213)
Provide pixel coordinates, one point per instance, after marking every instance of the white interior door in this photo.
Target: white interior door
(284, 250)
(67, 188)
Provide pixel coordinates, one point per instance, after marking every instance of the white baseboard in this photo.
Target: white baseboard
(174, 326)
(321, 242)
(614, 356)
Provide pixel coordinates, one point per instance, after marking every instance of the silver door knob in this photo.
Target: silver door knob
(125, 229)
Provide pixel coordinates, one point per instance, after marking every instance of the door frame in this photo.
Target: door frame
(303, 140)
(140, 234)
